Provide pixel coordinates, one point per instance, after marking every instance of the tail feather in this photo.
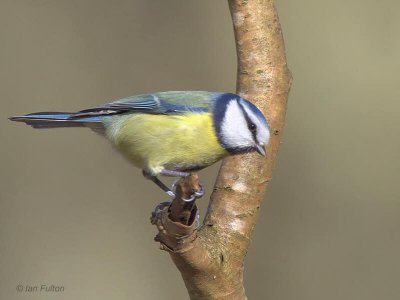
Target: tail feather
(57, 120)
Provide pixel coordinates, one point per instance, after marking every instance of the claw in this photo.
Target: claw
(171, 194)
(200, 193)
(192, 198)
(197, 194)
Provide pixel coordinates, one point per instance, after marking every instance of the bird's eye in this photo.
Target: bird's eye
(252, 127)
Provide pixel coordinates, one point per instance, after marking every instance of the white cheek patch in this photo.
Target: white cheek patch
(262, 129)
(263, 136)
(234, 131)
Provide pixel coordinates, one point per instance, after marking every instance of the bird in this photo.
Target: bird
(170, 133)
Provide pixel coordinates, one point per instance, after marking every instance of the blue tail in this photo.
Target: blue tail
(57, 120)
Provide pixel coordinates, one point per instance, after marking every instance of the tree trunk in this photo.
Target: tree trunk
(210, 257)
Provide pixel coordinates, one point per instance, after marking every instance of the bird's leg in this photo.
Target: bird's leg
(159, 183)
(172, 173)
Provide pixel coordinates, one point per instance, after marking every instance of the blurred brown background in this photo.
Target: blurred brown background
(74, 213)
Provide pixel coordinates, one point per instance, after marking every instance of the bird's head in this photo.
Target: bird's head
(240, 125)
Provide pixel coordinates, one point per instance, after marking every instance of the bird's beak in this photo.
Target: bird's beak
(260, 149)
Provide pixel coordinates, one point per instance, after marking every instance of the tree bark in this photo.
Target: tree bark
(210, 257)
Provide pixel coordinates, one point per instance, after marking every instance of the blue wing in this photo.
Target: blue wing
(175, 102)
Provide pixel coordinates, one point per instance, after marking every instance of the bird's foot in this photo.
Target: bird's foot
(196, 195)
(162, 206)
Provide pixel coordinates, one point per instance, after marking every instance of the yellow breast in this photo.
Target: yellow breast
(157, 142)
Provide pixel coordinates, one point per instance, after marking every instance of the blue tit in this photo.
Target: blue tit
(170, 133)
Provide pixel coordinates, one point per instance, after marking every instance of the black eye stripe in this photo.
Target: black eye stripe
(252, 127)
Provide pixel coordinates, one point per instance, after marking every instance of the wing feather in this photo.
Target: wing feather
(175, 102)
